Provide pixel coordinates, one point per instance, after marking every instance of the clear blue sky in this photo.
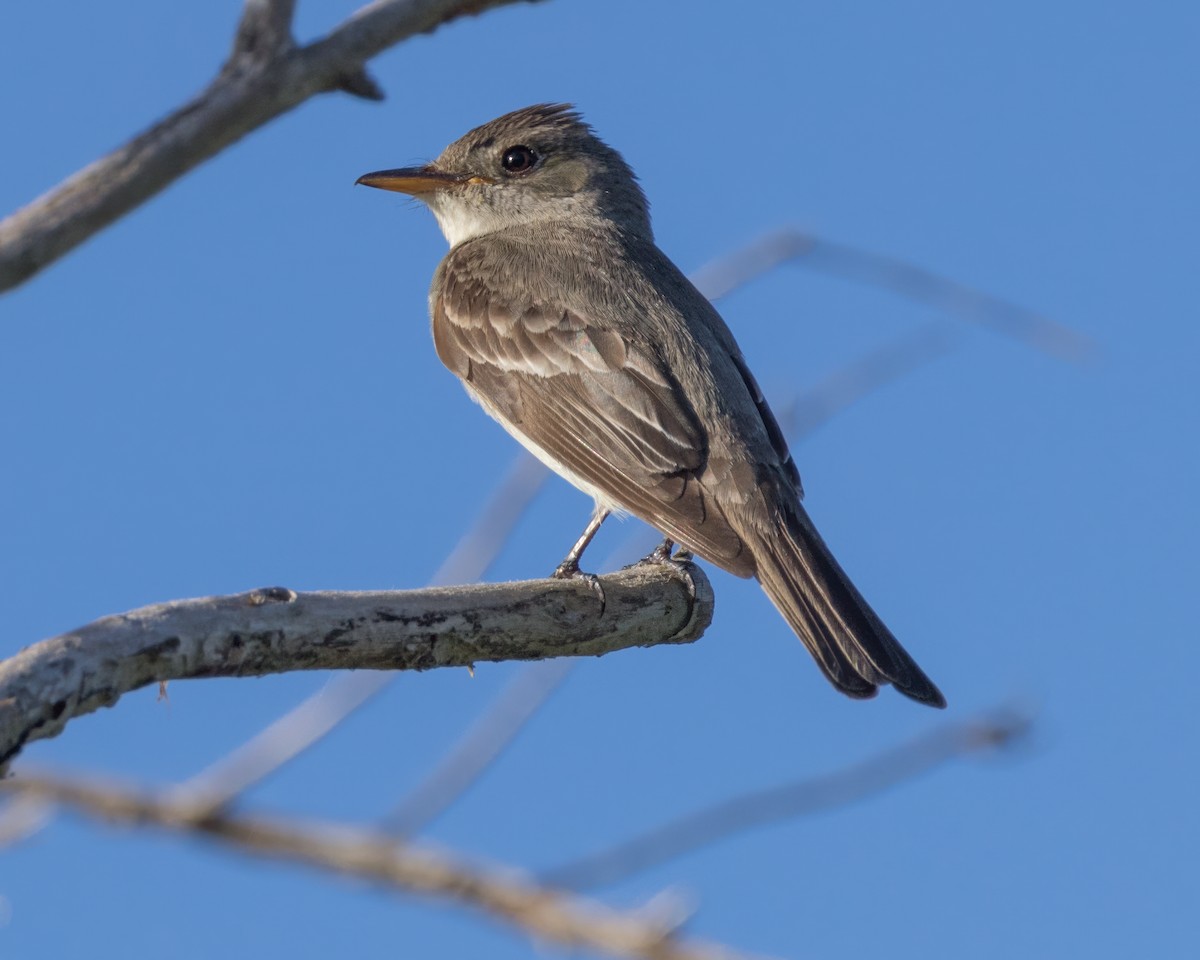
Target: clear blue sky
(235, 387)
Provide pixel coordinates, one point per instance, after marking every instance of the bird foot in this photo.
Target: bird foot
(662, 555)
(569, 570)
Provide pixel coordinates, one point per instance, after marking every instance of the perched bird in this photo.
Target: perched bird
(573, 330)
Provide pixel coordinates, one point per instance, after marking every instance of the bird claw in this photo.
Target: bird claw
(682, 562)
(569, 570)
(662, 555)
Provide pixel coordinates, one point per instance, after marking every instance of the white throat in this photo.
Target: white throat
(462, 221)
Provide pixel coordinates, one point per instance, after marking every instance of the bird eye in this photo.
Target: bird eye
(518, 159)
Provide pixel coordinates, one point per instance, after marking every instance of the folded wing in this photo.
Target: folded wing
(594, 401)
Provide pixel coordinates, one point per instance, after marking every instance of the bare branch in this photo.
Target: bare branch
(502, 894)
(726, 275)
(282, 740)
(899, 276)
(264, 77)
(488, 736)
(788, 801)
(803, 415)
(276, 630)
(507, 503)
(957, 299)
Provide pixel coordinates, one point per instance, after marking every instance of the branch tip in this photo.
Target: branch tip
(276, 630)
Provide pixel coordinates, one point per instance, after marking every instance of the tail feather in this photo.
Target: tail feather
(845, 636)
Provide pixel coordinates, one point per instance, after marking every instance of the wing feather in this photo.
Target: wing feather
(595, 402)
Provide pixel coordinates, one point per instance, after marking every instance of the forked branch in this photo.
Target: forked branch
(265, 76)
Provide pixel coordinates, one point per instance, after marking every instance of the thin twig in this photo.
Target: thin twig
(492, 732)
(478, 548)
(276, 630)
(788, 801)
(502, 894)
(802, 416)
(264, 77)
(906, 279)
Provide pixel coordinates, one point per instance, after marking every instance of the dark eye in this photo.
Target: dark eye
(519, 159)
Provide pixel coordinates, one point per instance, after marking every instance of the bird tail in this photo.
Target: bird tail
(844, 635)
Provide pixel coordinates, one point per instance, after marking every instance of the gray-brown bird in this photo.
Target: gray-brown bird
(573, 330)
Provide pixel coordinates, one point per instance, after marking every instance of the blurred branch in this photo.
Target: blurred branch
(21, 817)
(901, 277)
(503, 894)
(265, 30)
(476, 551)
(265, 76)
(803, 415)
(276, 630)
(318, 715)
(788, 800)
(480, 746)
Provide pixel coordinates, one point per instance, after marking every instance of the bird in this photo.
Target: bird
(569, 326)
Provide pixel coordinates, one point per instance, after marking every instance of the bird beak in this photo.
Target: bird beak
(416, 181)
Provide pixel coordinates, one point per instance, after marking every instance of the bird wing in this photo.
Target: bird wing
(599, 403)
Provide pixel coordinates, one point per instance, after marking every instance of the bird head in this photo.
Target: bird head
(538, 164)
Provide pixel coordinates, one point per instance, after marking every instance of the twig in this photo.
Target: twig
(801, 417)
(276, 630)
(787, 801)
(954, 298)
(478, 548)
(502, 894)
(264, 77)
(479, 747)
(906, 279)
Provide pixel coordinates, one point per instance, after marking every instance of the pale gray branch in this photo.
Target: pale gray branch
(786, 801)
(479, 747)
(265, 76)
(503, 894)
(899, 276)
(276, 630)
(265, 30)
(803, 415)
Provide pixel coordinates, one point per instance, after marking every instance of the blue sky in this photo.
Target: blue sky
(235, 386)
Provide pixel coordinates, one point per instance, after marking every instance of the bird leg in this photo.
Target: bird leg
(569, 568)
